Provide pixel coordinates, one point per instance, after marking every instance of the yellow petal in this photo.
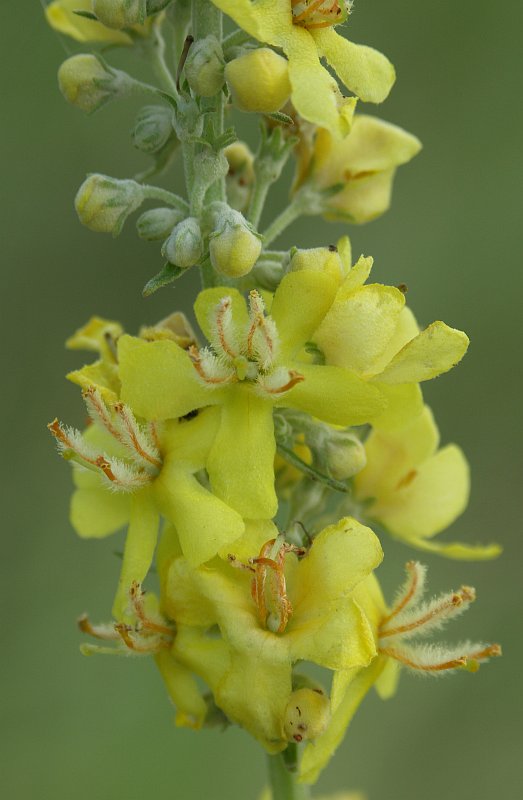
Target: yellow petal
(207, 301)
(356, 331)
(241, 462)
(363, 70)
(317, 755)
(265, 20)
(203, 522)
(190, 440)
(300, 303)
(458, 551)
(435, 350)
(334, 395)
(406, 329)
(139, 547)
(208, 657)
(60, 16)
(315, 93)
(101, 374)
(393, 455)
(97, 512)
(93, 336)
(404, 403)
(356, 277)
(430, 500)
(335, 635)
(159, 380)
(257, 532)
(362, 200)
(387, 683)
(183, 690)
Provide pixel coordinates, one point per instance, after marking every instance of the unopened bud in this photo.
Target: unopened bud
(184, 247)
(240, 178)
(157, 223)
(87, 84)
(103, 203)
(204, 67)
(318, 259)
(307, 714)
(345, 455)
(152, 128)
(119, 14)
(259, 81)
(235, 248)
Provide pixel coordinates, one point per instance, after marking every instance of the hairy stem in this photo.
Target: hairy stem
(283, 782)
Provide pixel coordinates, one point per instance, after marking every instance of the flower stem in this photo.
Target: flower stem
(259, 196)
(286, 218)
(283, 780)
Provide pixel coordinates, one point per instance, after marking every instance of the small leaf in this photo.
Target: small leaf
(167, 274)
(279, 116)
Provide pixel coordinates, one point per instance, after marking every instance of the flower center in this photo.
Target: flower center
(243, 353)
(317, 14)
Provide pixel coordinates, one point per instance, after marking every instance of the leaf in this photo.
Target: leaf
(167, 274)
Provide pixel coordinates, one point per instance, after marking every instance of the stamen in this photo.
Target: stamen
(99, 412)
(70, 440)
(209, 368)
(407, 659)
(122, 476)
(223, 328)
(146, 646)
(411, 591)
(135, 439)
(106, 632)
(137, 594)
(293, 378)
(435, 613)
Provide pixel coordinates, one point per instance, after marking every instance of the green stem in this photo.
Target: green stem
(170, 199)
(283, 781)
(157, 52)
(257, 202)
(286, 218)
(236, 39)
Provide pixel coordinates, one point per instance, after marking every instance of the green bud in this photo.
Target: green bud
(259, 80)
(157, 223)
(103, 203)
(88, 84)
(235, 247)
(184, 247)
(318, 259)
(205, 65)
(307, 714)
(344, 454)
(152, 128)
(119, 14)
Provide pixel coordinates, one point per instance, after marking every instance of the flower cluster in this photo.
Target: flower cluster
(252, 460)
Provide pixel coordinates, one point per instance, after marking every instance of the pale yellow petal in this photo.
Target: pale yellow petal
(357, 330)
(300, 303)
(363, 70)
(241, 462)
(159, 380)
(404, 404)
(435, 350)
(457, 550)
(60, 16)
(208, 300)
(334, 395)
(98, 512)
(183, 690)
(139, 547)
(203, 522)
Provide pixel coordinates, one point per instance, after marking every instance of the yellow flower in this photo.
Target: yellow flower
(252, 368)
(315, 94)
(371, 331)
(394, 630)
(244, 640)
(416, 490)
(364, 163)
(60, 16)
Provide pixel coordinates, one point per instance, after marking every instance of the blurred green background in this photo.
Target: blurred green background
(102, 728)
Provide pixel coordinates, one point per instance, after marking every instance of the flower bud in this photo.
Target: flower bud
(240, 178)
(103, 203)
(157, 223)
(152, 128)
(119, 14)
(204, 68)
(235, 248)
(345, 455)
(307, 714)
(259, 81)
(87, 84)
(318, 259)
(184, 247)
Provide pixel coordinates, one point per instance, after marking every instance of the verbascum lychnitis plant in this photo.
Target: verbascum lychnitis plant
(258, 461)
